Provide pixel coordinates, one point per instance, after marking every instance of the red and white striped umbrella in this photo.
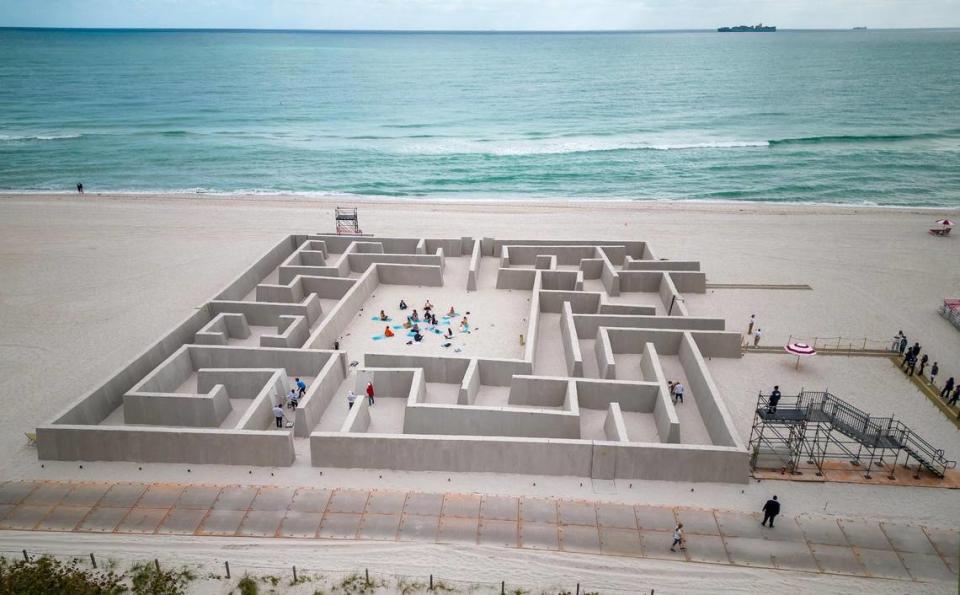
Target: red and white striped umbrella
(800, 350)
(945, 222)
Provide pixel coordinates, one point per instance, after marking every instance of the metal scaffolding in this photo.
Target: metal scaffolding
(819, 426)
(347, 222)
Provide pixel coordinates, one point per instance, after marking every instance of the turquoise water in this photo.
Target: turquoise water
(839, 117)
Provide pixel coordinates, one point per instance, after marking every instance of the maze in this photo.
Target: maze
(547, 358)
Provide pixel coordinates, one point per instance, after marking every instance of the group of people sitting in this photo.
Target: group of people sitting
(429, 317)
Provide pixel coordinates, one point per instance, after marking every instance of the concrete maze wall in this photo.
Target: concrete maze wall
(204, 393)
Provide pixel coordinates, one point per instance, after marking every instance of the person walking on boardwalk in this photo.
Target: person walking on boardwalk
(369, 393)
(896, 341)
(678, 538)
(903, 343)
(923, 362)
(770, 511)
(954, 397)
(278, 413)
(751, 324)
(773, 400)
(947, 388)
(911, 364)
(756, 337)
(933, 372)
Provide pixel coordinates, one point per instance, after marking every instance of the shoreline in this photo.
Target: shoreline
(300, 199)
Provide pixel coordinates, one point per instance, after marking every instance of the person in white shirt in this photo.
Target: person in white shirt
(678, 538)
(278, 413)
(351, 398)
(756, 337)
(678, 392)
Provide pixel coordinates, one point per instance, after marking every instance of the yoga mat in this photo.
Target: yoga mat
(397, 327)
(377, 318)
(377, 337)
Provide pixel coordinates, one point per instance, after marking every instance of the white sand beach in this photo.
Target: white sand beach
(88, 282)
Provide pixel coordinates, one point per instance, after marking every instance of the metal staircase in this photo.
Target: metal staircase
(821, 426)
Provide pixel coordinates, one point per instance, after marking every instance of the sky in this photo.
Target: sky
(478, 14)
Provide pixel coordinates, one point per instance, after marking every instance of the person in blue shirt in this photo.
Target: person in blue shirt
(301, 388)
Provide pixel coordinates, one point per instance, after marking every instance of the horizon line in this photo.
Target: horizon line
(436, 31)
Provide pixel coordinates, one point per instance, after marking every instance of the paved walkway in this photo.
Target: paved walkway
(805, 543)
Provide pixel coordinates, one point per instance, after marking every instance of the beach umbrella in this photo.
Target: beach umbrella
(800, 350)
(945, 222)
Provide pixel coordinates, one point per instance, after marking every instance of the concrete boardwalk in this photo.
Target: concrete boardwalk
(807, 543)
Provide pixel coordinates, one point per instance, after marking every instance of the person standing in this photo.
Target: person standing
(773, 400)
(954, 397)
(351, 398)
(947, 388)
(756, 337)
(301, 388)
(369, 393)
(923, 362)
(903, 343)
(678, 538)
(751, 324)
(934, 371)
(278, 413)
(770, 511)
(79, 187)
(911, 364)
(896, 341)
(678, 392)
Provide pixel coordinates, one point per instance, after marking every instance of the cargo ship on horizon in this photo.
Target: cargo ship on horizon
(760, 28)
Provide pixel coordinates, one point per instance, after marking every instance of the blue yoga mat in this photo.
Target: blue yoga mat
(377, 318)
(377, 337)
(397, 327)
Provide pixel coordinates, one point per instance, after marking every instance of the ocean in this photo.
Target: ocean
(853, 117)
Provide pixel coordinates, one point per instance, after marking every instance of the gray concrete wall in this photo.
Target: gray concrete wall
(521, 255)
(500, 372)
(640, 281)
(613, 427)
(165, 445)
(670, 298)
(454, 454)
(546, 262)
(687, 463)
(320, 394)
(259, 415)
(689, 281)
(266, 314)
(633, 248)
(452, 246)
(395, 383)
(491, 422)
(410, 274)
(664, 413)
(539, 391)
(177, 409)
(580, 302)
(559, 280)
(718, 344)
(661, 265)
(474, 270)
(606, 364)
(361, 262)
(592, 268)
(343, 313)
(571, 342)
(470, 385)
(247, 280)
(587, 324)
(634, 340)
(713, 411)
(242, 383)
(296, 362)
(638, 397)
(626, 309)
(533, 322)
(221, 328)
(466, 246)
(608, 274)
(331, 288)
(446, 370)
(358, 418)
(293, 331)
(516, 278)
(169, 374)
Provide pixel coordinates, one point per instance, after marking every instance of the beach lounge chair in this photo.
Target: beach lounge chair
(31, 438)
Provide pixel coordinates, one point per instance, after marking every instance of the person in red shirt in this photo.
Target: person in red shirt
(370, 393)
